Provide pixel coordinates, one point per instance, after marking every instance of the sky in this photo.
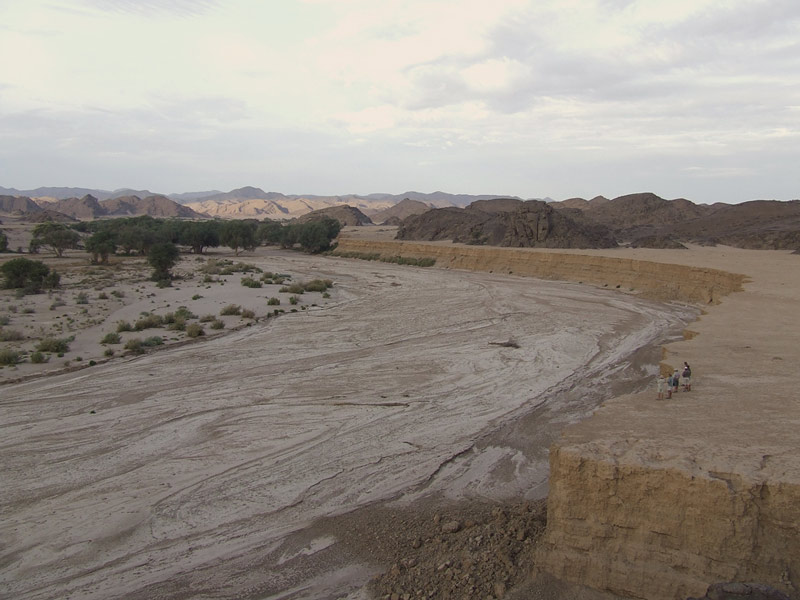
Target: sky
(697, 99)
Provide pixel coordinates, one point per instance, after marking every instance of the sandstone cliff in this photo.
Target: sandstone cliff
(655, 280)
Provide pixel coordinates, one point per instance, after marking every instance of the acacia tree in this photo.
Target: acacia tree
(239, 235)
(30, 275)
(200, 235)
(56, 235)
(162, 257)
(101, 245)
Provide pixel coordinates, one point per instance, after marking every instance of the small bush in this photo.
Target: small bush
(248, 314)
(81, 298)
(58, 302)
(134, 345)
(184, 313)
(9, 357)
(55, 345)
(317, 285)
(208, 318)
(118, 293)
(28, 311)
(217, 324)
(102, 296)
(293, 300)
(109, 352)
(273, 301)
(11, 335)
(38, 358)
(196, 297)
(4, 320)
(178, 324)
(153, 341)
(326, 295)
(111, 338)
(250, 282)
(231, 309)
(124, 326)
(194, 330)
(148, 322)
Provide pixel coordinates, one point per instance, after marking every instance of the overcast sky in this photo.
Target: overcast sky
(686, 98)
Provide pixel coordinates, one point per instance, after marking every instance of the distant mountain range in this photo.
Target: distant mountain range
(642, 219)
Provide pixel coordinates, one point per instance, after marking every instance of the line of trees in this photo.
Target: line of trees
(137, 235)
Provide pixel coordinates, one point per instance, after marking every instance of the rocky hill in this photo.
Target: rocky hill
(89, 207)
(346, 215)
(18, 204)
(403, 209)
(506, 222)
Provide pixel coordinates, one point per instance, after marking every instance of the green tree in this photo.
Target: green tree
(30, 275)
(100, 245)
(200, 235)
(239, 235)
(162, 256)
(3, 242)
(316, 236)
(270, 232)
(56, 235)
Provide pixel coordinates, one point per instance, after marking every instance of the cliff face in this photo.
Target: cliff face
(664, 533)
(655, 280)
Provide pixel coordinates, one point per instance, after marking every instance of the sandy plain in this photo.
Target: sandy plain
(201, 470)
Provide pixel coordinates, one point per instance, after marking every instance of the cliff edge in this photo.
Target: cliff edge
(658, 499)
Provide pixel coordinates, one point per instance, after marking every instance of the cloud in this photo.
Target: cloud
(155, 7)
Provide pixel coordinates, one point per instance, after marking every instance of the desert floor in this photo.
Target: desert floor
(216, 467)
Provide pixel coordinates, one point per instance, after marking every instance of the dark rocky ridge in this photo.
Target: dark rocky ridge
(506, 222)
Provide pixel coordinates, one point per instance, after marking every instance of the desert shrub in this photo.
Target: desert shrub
(184, 313)
(231, 309)
(102, 296)
(217, 324)
(250, 282)
(150, 321)
(273, 301)
(58, 302)
(294, 288)
(109, 352)
(30, 276)
(154, 340)
(9, 357)
(54, 345)
(326, 295)
(208, 318)
(196, 297)
(111, 338)
(293, 300)
(134, 345)
(38, 358)
(4, 320)
(194, 330)
(248, 314)
(124, 326)
(317, 285)
(81, 298)
(28, 310)
(118, 293)
(11, 335)
(177, 324)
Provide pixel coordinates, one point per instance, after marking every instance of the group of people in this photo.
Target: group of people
(670, 385)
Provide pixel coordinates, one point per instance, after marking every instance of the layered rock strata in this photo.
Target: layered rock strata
(656, 280)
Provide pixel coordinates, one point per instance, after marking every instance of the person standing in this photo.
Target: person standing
(686, 377)
(660, 385)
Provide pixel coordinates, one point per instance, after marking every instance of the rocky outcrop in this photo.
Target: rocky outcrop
(506, 222)
(655, 280)
(346, 215)
(18, 204)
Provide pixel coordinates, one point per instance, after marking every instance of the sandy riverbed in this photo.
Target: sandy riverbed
(176, 473)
